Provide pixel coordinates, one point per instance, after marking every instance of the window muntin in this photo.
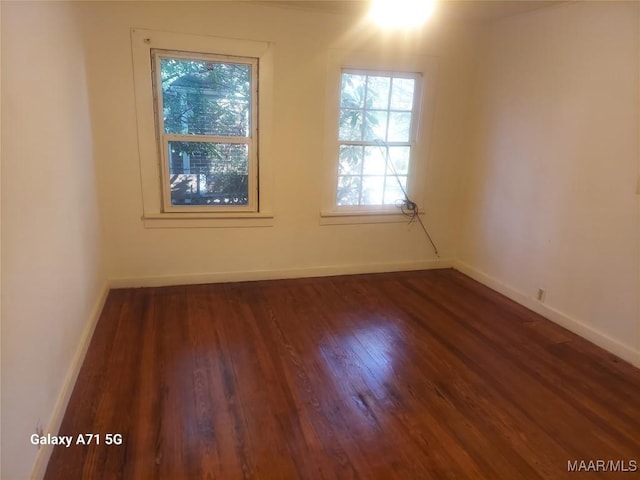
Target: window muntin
(207, 130)
(376, 136)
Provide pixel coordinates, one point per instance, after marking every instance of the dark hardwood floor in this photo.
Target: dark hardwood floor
(421, 375)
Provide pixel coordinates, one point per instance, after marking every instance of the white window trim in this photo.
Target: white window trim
(368, 62)
(165, 138)
(155, 215)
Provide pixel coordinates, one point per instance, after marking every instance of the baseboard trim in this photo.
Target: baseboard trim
(572, 324)
(44, 453)
(242, 276)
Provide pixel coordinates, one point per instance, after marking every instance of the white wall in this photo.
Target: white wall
(542, 166)
(297, 244)
(550, 186)
(52, 280)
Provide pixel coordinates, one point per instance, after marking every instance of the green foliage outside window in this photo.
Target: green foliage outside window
(213, 99)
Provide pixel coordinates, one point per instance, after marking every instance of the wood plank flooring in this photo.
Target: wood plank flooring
(419, 375)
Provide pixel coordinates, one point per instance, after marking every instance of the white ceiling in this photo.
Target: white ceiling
(453, 10)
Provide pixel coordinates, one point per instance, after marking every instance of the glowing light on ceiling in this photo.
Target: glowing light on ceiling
(401, 13)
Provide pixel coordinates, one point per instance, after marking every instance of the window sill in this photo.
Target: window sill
(362, 217)
(208, 220)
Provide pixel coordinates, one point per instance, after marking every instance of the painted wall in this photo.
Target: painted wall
(51, 239)
(550, 186)
(297, 243)
(530, 185)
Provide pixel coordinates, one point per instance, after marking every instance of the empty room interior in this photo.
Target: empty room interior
(320, 239)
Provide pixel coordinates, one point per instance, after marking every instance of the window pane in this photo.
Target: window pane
(378, 92)
(351, 124)
(372, 190)
(348, 190)
(202, 173)
(402, 94)
(350, 160)
(375, 127)
(393, 194)
(399, 127)
(206, 98)
(399, 159)
(352, 91)
(376, 110)
(374, 161)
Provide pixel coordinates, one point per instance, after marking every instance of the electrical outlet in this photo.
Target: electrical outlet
(39, 431)
(541, 294)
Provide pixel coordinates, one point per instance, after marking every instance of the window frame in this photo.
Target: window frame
(339, 60)
(153, 213)
(411, 143)
(164, 138)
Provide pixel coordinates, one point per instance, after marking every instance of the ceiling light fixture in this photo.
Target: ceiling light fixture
(401, 13)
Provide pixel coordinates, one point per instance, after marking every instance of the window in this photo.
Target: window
(378, 117)
(376, 134)
(205, 115)
(198, 112)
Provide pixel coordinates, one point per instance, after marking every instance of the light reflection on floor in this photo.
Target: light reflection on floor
(360, 362)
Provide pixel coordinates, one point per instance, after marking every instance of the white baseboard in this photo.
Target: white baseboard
(45, 451)
(572, 324)
(241, 276)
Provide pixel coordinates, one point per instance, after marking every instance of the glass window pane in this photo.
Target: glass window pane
(374, 161)
(402, 93)
(202, 173)
(399, 159)
(206, 98)
(375, 126)
(378, 92)
(399, 127)
(350, 160)
(375, 110)
(348, 190)
(372, 190)
(352, 90)
(351, 124)
(393, 194)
